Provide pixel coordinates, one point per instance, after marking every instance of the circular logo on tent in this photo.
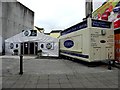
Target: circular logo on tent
(11, 45)
(48, 45)
(27, 33)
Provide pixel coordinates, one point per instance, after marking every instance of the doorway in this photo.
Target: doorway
(32, 48)
(26, 48)
(29, 48)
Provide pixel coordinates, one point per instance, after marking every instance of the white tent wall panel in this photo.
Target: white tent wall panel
(7, 48)
(0, 44)
(10, 51)
(56, 50)
(49, 52)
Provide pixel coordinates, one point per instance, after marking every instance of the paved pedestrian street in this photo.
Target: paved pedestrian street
(55, 73)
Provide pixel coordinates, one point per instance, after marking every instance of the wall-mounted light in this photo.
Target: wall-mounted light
(103, 32)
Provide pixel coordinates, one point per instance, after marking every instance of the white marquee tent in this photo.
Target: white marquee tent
(40, 38)
(0, 44)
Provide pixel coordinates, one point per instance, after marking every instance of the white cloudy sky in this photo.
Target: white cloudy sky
(57, 14)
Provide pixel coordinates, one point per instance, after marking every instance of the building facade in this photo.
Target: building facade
(55, 33)
(14, 17)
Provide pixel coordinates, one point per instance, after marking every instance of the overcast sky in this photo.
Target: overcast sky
(58, 14)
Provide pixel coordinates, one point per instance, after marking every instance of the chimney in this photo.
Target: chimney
(89, 8)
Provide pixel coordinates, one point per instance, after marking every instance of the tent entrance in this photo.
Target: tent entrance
(32, 49)
(29, 48)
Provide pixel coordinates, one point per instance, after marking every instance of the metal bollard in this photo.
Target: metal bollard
(21, 65)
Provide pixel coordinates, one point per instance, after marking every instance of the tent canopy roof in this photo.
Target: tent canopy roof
(41, 37)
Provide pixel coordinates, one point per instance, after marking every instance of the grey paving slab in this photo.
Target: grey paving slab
(13, 78)
(33, 79)
(66, 86)
(20, 83)
(8, 84)
(32, 82)
(77, 85)
(64, 81)
(96, 83)
(113, 86)
(54, 85)
(42, 86)
(87, 84)
(53, 77)
(105, 82)
(80, 76)
(43, 81)
(71, 76)
(44, 77)
(10, 81)
(62, 76)
(100, 82)
(4, 79)
(55, 81)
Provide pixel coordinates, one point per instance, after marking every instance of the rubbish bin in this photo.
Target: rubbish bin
(15, 52)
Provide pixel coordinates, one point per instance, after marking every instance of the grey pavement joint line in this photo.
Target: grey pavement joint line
(74, 71)
(108, 79)
(105, 83)
(59, 83)
(4, 80)
(37, 81)
(31, 82)
(16, 81)
(9, 83)
(21, 82)
(69, 80)
(95, 83)
(26, 81)
(48, 80)
(82, 85)
(42, 82)
(53, 84)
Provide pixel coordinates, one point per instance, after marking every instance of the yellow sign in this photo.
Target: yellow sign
(110, 4)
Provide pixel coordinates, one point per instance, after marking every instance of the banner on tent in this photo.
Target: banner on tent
(47, 45)
(29, 32)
